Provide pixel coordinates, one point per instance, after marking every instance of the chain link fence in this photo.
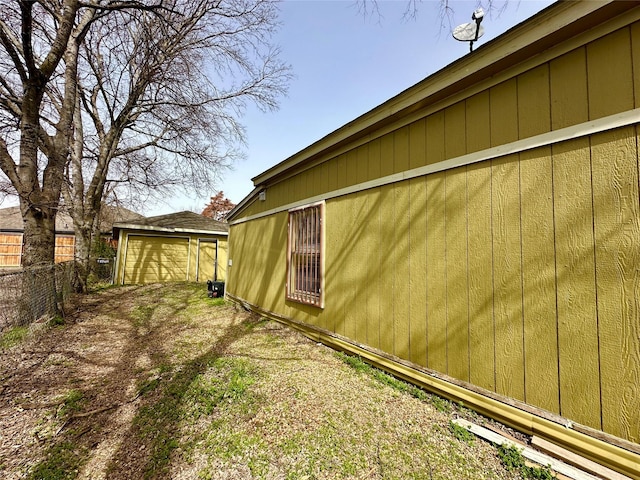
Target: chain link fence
(33, 294)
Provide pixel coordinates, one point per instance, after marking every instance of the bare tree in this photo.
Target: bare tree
(39, 45)
(446, 9)
(159, 99)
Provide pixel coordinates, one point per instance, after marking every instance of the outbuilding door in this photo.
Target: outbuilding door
(152, 259)
(207, 260)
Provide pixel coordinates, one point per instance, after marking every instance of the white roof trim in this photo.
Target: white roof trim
(546, 22)
(152, 228)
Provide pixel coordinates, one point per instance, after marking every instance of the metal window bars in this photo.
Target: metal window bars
(304, 259)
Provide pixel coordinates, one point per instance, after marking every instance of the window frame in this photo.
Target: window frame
(305, 257)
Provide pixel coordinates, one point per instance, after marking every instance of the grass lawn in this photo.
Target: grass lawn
(160, 381)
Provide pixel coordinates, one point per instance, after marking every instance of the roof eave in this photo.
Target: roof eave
(152, 228)
(511, 47)
(244, 203)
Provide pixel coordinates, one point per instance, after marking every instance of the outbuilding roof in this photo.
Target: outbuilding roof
(185, 222)
(559, 22)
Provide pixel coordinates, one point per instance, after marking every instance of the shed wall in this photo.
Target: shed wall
(518, 274)
(156, 257)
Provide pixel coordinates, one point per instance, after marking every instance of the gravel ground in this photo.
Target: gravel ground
(160, 381)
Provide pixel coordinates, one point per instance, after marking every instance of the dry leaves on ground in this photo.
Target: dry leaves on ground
(160, 381)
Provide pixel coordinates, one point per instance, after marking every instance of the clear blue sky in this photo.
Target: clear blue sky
(346, 64)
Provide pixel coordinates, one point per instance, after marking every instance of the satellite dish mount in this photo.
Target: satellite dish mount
(472, 31)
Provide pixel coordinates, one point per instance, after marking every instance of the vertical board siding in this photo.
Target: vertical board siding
(478, 131)
(372, 251)
(418, 272)
(386, 281)
(342, 174)
(258, 268)
(480, 277)
(456, 242)
(507, 277)
(455, 130)
(576, 295)
(617, 230)
(539, 280)
(418, 144)
(504, 112)
(479, 253)
(401, 274)
(568, 88)
(324, 177)
(609, 70)
(373, 166)
(457, 273)
(635, 62)
(436, 274)
(337, 249)
(520, 274)
(534, 105)
(399, 250)
(435, 138)
(223, 258)
(350, 273)
(362, 168)
(333, 174)
(353, 269)
(374, 248)
(401, 150)
(352, 167)
(363, 274)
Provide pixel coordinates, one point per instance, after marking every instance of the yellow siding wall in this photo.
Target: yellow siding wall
(518, 275)
(147, 251)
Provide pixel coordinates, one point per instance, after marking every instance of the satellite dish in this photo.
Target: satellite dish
(472, 31)
(468, 32)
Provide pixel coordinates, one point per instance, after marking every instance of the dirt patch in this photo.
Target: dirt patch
(163, 382)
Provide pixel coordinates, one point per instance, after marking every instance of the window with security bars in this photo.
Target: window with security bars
(305, 255)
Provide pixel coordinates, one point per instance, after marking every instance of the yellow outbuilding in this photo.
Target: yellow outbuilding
(177, 247)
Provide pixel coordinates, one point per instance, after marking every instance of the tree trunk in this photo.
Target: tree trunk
(38, 287)
(39, 235)
(83, 255)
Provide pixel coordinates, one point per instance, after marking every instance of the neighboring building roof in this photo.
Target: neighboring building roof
(187, 222)
(109, 215)
(559, 22)
(11, 219)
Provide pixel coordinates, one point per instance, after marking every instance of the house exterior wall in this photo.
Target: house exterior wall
(11, 249)
(517, 274)
(65, 248)
(146, 256)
